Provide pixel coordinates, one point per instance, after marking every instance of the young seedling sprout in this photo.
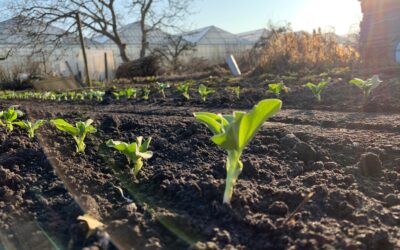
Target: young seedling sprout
(366, 86)
(31, 128)
(162, 86)
(234, 90)
(118, 94)
(277, 88)
(146, 93)
(234, 132)
(131, 92)
(316, 89)
(204, 91)
(135, 152)
(183, 88)
(78, 131)
(9, 117)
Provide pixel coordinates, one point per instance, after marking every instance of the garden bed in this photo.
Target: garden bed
(176, 201)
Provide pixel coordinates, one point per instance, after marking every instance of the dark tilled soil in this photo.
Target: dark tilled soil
(36, 210)
(177, 198)
(338, 96)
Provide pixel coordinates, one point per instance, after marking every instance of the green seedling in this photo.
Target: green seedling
(146, 93)
(9, 117)
(31, 128)
(99, 95)
(118, 94)
(78, 131)
(204, 91)
(317, 89)
(234, 132)
(80, 96)
(235, 91)
(62, 97)
(134, 152)
(71, 95)
(183, 88)
(162, 86)
(366, 86)
(131, 92)
(277, 88)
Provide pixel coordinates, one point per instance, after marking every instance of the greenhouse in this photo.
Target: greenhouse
(47, 53)
(215, 44)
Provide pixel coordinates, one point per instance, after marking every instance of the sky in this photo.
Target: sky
(238, 16)
(235, 16)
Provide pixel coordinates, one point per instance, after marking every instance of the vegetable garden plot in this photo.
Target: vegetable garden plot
(178, 192)
(36, 211)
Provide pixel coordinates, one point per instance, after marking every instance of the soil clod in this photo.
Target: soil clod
(370, 165)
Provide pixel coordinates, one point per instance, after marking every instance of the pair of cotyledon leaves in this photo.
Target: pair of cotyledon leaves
(234, 132)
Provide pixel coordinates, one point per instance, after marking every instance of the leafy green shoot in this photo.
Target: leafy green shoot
(162, 86)
(30, 127)
(183, 88)
(9, 117)
(235, 91)
(234, 132)
(135, 152)
(146, 93)
(204, 91)
(366, 86)
(277, 88)
(118, 94)
(131, 93)
(78, 131)
(316, 89)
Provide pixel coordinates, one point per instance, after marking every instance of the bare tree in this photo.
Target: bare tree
(6, 56)
(155, 14)
(173, 49)
(97, 16)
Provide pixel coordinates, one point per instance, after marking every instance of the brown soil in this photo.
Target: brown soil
(176, 201)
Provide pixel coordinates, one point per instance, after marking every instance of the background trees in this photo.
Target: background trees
(98, 17)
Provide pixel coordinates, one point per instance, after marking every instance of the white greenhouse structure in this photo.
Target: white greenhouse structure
(210, 43)
(131, 35)
(255, 35)
(64, 59)
(215, 44)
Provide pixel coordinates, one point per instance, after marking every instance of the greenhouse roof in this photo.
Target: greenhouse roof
(212, 35)
(254, 35)
(132, 34)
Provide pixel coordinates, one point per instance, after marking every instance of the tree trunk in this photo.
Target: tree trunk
(122, 52)
(144, 47)
(144, 38)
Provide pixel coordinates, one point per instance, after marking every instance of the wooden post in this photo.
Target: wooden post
(78, 21)
(106, 66)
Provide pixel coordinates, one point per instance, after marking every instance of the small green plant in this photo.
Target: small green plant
(78, 131)
(234, 90)
(31, 128)
(9, 117)
(134, 152)
(131, 93)
(234, 132)
(277, 88)
(162, 86)
(183, 88)
(366, 86)
(146, 93)
(204, 91)
(316, 89)
(118, 94)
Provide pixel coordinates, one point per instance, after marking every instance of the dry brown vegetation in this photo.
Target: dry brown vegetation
(287, 51)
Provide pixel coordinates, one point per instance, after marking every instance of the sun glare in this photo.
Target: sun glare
(338, 15)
